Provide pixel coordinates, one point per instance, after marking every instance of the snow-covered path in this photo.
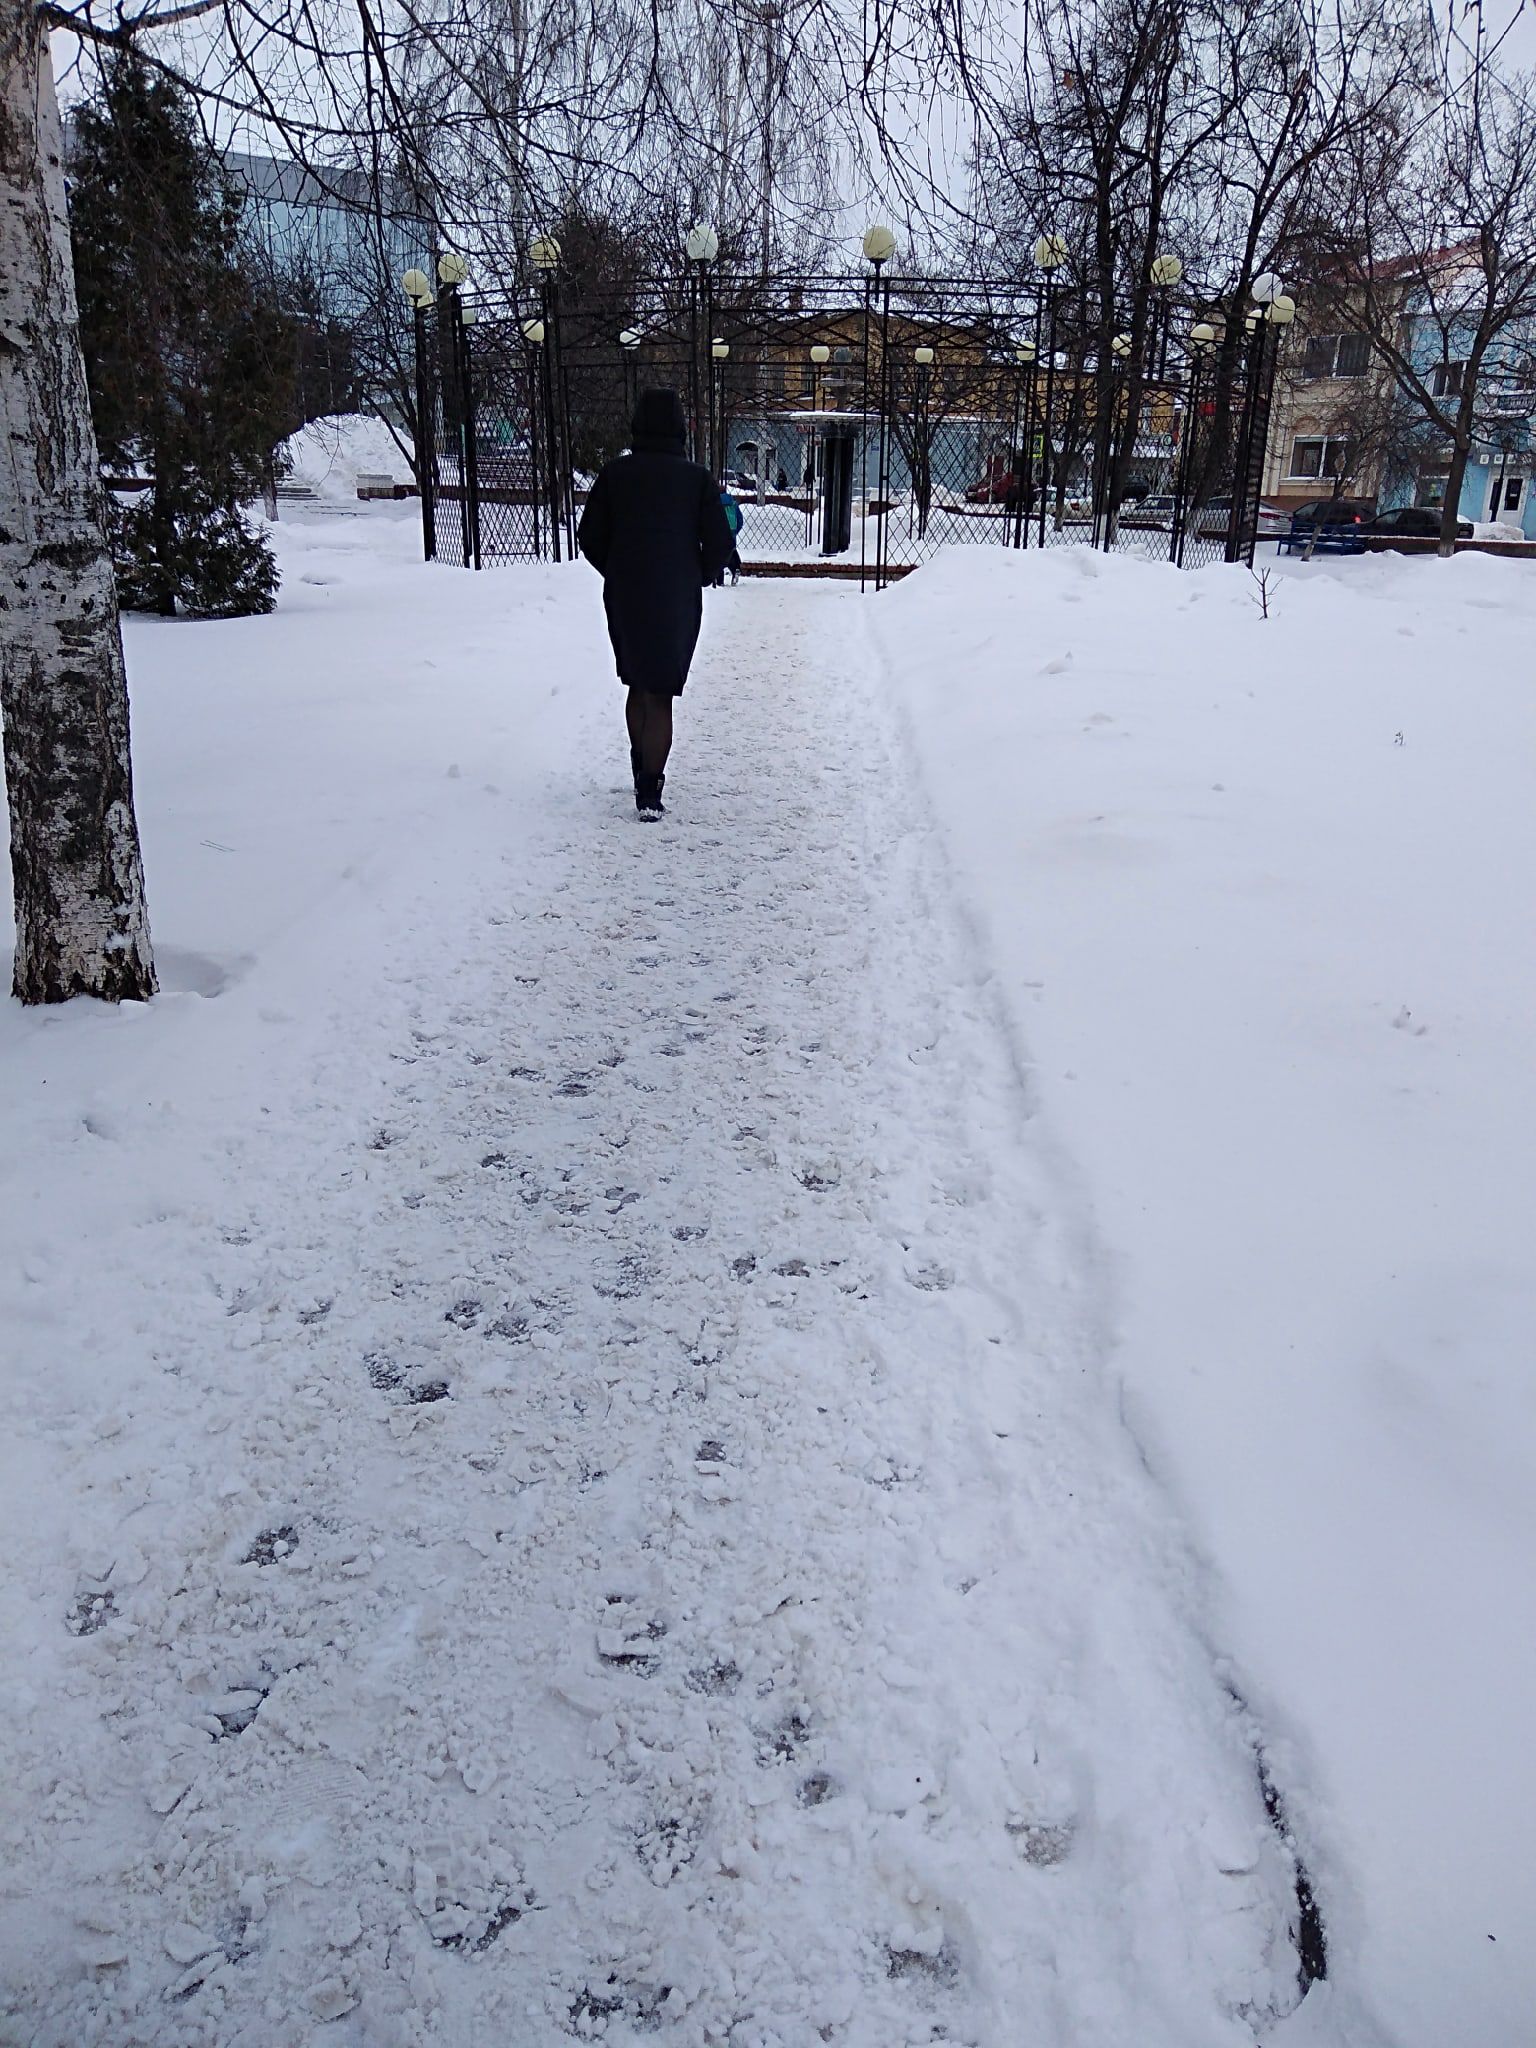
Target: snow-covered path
(650, 1551)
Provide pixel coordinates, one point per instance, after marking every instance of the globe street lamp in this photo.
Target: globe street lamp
(701, 243)
(879, 244)
(417, 287)
(451, 268)
(544, 253)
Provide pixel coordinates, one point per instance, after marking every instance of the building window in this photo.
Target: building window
(1445, 381)
(1316, 456)
(1336, 355)
(1431, 493)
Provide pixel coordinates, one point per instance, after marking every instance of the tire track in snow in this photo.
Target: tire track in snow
(672, 1568)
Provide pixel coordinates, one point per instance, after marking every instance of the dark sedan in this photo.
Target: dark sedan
(1414, 522)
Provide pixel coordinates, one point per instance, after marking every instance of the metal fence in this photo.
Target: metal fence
(862, 422)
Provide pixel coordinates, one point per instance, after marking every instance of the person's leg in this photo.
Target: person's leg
(634, 718)
(656, 733)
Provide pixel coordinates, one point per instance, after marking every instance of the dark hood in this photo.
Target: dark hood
(659, 424)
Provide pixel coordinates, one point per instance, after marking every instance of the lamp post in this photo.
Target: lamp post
(452, 270)
(417, 287)
(922, 445)
(701, 245)
(719, 357)
(821, 355)
(1111, 389)
(1273, 309)
(879, 248)
(1202, 339)
(629, 341)
(1165, 272)
(544, 258)
(1022, 454)
(1050, 253)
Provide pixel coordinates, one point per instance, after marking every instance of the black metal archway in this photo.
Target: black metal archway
(862, 421)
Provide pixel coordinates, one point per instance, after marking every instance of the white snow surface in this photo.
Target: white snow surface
(1259, 897)
(743, 1432)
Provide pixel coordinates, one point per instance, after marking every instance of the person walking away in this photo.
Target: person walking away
(655, 531)
(731, 506)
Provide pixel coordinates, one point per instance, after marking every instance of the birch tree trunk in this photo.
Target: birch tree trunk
(81, 922)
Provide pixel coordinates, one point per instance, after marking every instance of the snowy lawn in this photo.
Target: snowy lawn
(1260, 900)
(564, 1468)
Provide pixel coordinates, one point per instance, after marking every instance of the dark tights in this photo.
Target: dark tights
(649, 717)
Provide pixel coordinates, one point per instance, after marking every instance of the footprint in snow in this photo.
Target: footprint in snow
(272, 1544)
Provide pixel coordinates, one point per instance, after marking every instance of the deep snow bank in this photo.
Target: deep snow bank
(1259, 899)
(329, 455)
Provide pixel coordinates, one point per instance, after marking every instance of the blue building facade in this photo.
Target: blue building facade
(1499, 482)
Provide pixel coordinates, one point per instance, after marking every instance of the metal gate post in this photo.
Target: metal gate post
(1046, 450)
(1186, 462)
(426, 438)
(471, 459)
(883, 485)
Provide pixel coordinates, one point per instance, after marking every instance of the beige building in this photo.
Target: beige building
(1329, 421)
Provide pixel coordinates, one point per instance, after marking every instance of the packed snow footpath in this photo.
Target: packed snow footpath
(560, 1474)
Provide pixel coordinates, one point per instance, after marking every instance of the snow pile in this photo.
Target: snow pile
(329, 455)
(1258, 896)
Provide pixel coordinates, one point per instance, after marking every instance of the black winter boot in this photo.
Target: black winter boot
(648, 802)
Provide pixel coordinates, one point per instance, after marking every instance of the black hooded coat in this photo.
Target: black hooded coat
(655, 531)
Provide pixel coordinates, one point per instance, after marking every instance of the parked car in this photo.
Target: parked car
(1415, 522)
(1156, 510)
(1332, 526)
(1215, 516)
